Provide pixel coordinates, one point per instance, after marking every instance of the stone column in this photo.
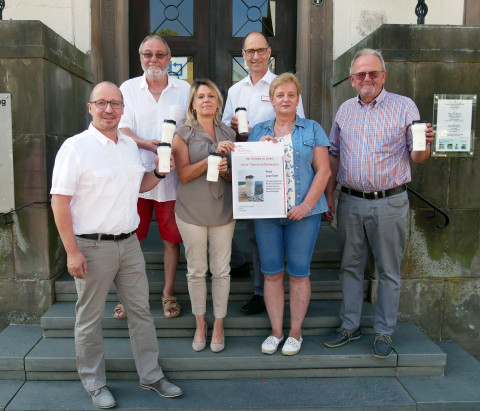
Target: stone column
(49, 81)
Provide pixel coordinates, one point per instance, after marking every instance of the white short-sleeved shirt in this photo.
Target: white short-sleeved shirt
(255, 99)
(103, 179)
(144, 116)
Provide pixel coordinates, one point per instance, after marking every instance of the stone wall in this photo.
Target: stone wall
(353, 20)
(441, 268)
(49, 81)
(68, 18)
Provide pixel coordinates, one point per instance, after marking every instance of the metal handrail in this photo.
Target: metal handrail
(435, 209)
(4, 215)
(411, 190)
(421, 11)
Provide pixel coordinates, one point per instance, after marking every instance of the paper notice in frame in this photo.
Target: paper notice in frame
(258, 180)
(454, 124)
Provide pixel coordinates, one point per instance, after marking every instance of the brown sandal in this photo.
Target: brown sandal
(119, 312)
(170, 303)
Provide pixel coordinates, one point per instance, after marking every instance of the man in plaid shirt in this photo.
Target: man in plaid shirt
(371, 147)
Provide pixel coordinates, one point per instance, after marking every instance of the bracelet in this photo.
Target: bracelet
(306, 205)
(157, 175)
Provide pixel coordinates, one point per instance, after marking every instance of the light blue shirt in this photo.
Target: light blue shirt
(306, 135)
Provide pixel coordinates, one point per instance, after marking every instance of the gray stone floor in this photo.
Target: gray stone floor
(457, 390)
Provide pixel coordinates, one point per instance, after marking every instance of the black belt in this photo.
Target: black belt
(107, 237)
(375, 195)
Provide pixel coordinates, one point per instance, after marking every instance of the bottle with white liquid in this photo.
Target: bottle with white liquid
(250, 185)
(213, 163)
(418, 135)
(241, 114)
(168, 130)
(164, 150)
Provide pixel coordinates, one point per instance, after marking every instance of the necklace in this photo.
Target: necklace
(284, 128)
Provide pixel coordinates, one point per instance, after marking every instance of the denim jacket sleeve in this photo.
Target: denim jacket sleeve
(307, 134)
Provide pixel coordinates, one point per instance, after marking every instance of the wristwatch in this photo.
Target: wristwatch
(227, 173)
(157, 175)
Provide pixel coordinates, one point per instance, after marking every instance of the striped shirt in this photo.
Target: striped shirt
(374, 142)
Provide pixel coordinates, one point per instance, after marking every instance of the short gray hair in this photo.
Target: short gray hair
(367, 52)
(150, 37)
(258, 33)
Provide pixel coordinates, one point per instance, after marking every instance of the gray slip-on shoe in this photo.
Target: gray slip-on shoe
(164, 388)
(102, 398)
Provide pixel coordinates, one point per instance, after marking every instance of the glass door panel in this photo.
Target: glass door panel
(172, 17)
(253, 15)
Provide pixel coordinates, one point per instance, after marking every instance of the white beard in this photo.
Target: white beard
(155, 72)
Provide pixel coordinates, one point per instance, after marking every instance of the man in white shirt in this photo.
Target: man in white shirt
(252, 93)
(96, 180)
(149, 100)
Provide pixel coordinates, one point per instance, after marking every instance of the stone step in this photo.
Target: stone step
(415, 355)
(457, 390)
(326, 253)
(324, 282)
(321, 318)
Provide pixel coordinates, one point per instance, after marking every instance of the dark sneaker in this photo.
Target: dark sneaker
(255, 305)
(164, 388)
(102, 398)
(382, 346)
(341, 336)
(242, 271)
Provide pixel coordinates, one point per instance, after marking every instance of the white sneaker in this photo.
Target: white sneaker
(102, 398)
(270, 345)
(292, 346)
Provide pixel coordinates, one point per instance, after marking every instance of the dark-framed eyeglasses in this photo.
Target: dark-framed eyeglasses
(260, 52)
(372, 74)
(102, 104)
(148, 55)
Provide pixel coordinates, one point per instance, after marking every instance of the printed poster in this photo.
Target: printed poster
(258, 180)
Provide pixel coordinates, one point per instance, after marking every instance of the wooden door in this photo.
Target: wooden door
(205, 36)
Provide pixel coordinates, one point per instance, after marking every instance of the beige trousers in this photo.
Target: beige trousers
(219, 240)
(122, 263)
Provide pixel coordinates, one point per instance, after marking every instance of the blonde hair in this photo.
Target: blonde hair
(191, 114)
(283, 79)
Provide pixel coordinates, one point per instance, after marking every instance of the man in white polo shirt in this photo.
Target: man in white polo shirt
(96, 180)
(149, 100)
(252, 93)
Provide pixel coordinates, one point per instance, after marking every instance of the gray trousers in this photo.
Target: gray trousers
(238, 259)
(120, 262)
(381, 223)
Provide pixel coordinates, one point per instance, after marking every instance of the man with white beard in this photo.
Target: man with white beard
(149, 100)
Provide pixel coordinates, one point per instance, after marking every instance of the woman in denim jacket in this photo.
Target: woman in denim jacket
(307, 171)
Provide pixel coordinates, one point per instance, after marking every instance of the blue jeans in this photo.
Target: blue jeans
(280, 237)
(238, 259)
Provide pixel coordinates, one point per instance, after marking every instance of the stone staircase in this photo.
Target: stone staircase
(37, 364)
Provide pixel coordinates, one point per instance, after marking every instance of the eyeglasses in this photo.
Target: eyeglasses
(102, 104)
(149, 55)
(372, 74)
(260, 52)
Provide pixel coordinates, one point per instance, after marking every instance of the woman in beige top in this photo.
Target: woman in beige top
(203, 208)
